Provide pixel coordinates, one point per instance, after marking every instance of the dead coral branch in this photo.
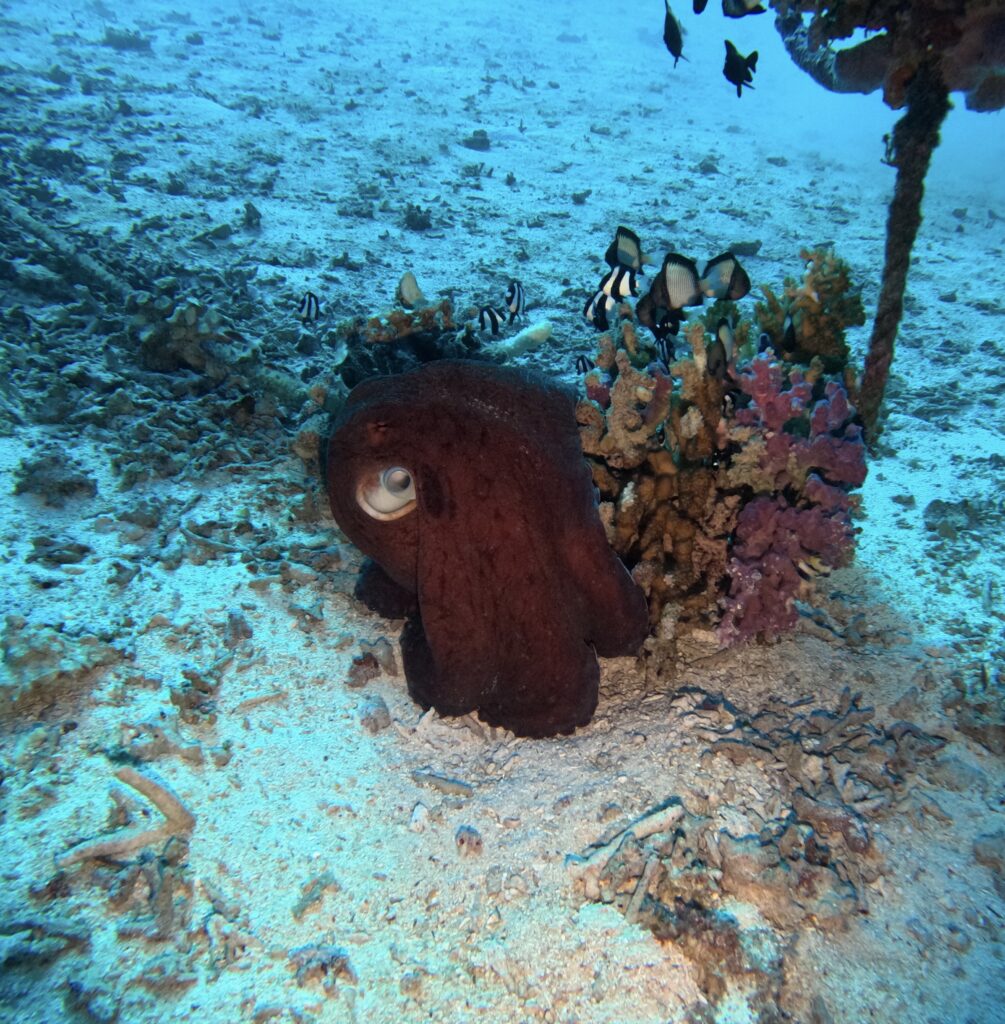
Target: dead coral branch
(178, 820)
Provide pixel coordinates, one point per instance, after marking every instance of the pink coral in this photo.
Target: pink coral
(772, 407)
(812, 465)
(771, 539)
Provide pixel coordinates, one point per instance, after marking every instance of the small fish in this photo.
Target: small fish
(812, 567)
(680, 281)
(672, 36)
(724, 333)
(739, 70)
(741, 8)
(764, 342)
(724, 278)
(789, 342)
(653, 310)
(597, 310)
(720, 352)
(490, 319)
(668, 325)
(666, 350)
(699, 5)
(619, 283)
(516, 301)
(647, 308)
(584, 364)
(309, 309)
(625, 250)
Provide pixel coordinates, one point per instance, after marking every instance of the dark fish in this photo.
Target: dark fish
(490, 319)
(666, 351)
(516, 301)
(625, 250)
(310, 308)
(667, 325)
(741, 8)
(619, 283)
(739, 70)
(653, 309)
(720, 352)
(672, 36)
(645, 310)
(726, 337)
(789, 343)
(699, 6)
(764, 342)
(679, 278)
(584, 364)
(597, 310)
(724, 278)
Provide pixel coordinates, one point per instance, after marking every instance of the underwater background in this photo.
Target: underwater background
(218, 800)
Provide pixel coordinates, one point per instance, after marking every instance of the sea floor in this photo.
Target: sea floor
(188, 679)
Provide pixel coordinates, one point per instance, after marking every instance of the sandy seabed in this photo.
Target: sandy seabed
(183, 657)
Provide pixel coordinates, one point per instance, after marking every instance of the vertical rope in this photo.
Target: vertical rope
(915, 137)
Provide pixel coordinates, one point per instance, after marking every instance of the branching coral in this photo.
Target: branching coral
(819, 310)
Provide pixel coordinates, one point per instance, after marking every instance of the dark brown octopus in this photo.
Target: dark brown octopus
(466, 484)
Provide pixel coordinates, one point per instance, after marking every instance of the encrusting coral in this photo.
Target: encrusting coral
(724, 495)
(917, 51)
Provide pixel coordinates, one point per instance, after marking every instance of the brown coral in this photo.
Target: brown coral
(821, 306)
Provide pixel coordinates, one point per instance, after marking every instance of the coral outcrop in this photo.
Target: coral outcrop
(727, 495)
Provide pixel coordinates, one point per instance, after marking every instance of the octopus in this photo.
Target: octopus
(465, 484)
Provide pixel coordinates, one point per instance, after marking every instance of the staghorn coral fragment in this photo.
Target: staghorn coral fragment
(178, 820)
(523, 341)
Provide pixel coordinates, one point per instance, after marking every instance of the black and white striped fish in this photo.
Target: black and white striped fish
(619, 283)
(597, 310)
(652, 311)
(625, 250)
(309, 309)
(584, 364)
(812, 568)
(720, 352)
(724, 278)
(666, 350)
(680, 282)
(490, 319)
(516, 301)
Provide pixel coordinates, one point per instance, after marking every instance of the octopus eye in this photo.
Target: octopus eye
(387, 494)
